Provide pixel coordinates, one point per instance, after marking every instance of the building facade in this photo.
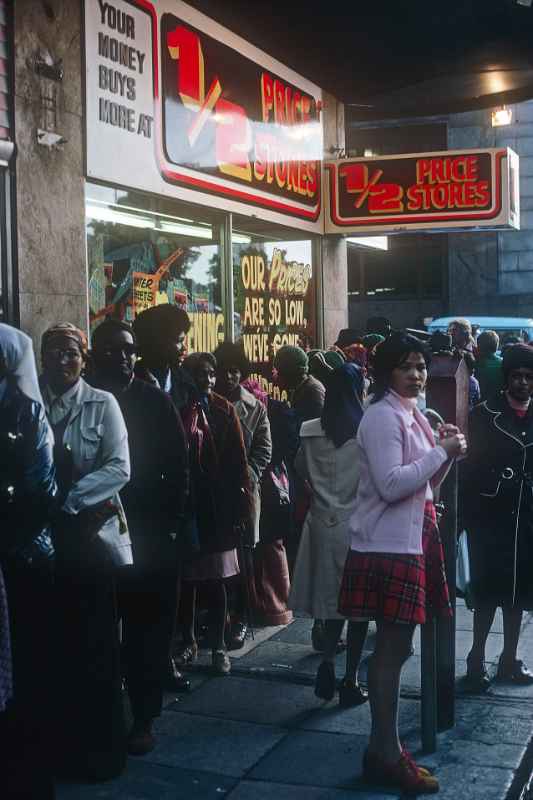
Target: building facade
(422, 276)
(160, 159)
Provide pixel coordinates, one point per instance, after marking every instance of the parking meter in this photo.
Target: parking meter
(447, 394)
(447, 389)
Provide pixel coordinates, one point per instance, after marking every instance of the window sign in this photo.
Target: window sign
(275, 302)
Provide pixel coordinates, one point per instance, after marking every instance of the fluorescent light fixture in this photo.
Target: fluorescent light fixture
(501, 116)
(369, 153)
(184, 230)
(106, 214)
(375, 242)
(240, 238)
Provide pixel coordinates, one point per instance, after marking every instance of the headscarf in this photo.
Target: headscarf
(357, 354)
(517, 356)
(343, 409)
(17, 352)
(254, 387)
(68, 330)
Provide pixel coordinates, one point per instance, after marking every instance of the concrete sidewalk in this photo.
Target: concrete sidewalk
(261, 733)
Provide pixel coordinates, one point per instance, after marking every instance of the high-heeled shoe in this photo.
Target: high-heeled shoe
(351, 694)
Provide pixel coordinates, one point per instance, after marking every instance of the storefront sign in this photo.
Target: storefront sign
(178, 105)
(469, 189)
(275, 301)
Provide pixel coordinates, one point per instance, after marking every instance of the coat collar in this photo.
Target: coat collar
(501, 412)
(247, 398)
(408, 418)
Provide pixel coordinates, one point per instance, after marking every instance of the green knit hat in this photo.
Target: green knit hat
(290, 359)
(372, 339)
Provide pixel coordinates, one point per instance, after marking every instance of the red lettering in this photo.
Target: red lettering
(279, 102)
(267, 95)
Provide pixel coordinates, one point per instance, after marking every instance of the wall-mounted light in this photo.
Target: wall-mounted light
(501, 116)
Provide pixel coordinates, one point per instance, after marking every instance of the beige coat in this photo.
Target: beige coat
(255, 426)
(333, 475)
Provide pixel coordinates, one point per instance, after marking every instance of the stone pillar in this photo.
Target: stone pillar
(50, 181)
(334, 248)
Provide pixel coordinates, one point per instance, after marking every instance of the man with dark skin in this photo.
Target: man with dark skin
(154, 502)
(161, 334)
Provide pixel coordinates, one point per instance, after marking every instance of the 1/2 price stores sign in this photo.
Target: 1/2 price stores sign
(446, 190)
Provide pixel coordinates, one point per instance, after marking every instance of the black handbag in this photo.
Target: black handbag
(275, 520)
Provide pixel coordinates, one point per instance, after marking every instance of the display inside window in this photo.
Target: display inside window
(143, 251)
(275, 302)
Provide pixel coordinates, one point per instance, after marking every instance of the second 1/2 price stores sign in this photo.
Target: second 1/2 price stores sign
(446, 190)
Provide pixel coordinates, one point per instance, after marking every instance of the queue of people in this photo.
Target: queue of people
(142, 487)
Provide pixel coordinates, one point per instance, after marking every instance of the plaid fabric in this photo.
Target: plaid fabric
(397, 588)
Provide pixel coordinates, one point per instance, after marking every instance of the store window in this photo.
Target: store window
(275, 298)
(143, 251)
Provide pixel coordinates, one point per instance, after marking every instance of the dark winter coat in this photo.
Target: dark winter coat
(498, 503)
(154, 499)
(27, 478)
(220, 484)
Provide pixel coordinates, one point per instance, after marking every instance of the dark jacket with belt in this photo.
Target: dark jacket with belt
(27, 478)
(497, 491)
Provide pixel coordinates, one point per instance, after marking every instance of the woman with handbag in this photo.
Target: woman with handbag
(327, 461)
(91, 541)
(27, 496)
(220, 494)
(394, 571)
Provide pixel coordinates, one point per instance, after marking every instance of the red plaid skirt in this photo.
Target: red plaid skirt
(394, 587)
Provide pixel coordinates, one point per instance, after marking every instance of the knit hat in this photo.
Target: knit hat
(290, 359)
(372, 339)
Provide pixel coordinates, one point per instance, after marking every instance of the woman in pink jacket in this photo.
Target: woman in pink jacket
(394, 571)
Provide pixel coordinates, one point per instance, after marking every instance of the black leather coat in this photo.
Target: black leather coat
(497, 494)
(27, 479)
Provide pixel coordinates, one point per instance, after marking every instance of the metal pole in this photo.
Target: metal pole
(227, 275)
(428, 669)
(446, 625)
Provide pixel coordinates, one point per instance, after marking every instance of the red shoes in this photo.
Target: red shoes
(405, 774)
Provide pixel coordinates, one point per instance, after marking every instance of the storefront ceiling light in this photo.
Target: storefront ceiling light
(375, 242)
(501, 116)
(106, 214)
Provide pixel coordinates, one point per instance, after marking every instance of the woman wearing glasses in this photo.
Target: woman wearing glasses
(91, 540)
